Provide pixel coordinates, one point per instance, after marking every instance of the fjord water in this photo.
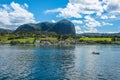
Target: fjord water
(60, 63)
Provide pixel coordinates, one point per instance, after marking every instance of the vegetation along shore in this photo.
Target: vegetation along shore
(44, 38)
(59, 33)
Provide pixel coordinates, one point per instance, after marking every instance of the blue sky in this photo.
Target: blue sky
(87, 15)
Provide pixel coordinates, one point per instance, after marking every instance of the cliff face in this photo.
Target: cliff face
(60, 27)
(64, 27)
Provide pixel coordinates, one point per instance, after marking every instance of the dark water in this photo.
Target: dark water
(60, 63)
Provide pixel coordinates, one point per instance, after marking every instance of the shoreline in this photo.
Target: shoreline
(57, 44)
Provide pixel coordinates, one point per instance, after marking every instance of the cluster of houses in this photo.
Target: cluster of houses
(53, 42)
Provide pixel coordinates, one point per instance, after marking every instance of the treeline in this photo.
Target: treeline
(31, 37)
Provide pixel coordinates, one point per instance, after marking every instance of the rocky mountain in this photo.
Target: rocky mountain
(61, 27)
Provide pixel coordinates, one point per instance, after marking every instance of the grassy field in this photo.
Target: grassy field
(3, 38)
(25, 40)
(48, 39)
(30, 40)
(96, 39)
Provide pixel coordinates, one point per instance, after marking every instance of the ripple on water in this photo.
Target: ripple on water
(58, 63)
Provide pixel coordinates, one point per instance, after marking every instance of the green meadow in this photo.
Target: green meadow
(48, 39)
(21, 40)
(28, 39)
(95, 39)
(24, 40)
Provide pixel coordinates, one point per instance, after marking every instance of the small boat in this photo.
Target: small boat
(97, 53)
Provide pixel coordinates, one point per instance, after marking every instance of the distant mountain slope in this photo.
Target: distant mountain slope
(61, 27)
(4, 31)
(99, 34)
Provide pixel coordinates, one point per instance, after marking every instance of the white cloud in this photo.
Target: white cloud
(112, 17)
(90, 25)
(88, 6)
(6, 7)
(91, 22)
(14, 15)
(108, 16)
(67, 12)
(77, 7)
(112, 5)
(77, 21)
(78, 30)
(70, 11)
(26, 5)
(105, 23)
(104, 17)
(53, 21)
(53, 10)
(97, 9)
(91, 30)
(112, 32)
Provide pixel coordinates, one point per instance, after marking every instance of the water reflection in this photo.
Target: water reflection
(14, 63)
(54, 62)
(59, 63)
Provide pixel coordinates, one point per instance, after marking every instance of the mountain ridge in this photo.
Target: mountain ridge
(61, 27)
(5, 31)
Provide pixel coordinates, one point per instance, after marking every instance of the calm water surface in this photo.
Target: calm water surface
(60, 63)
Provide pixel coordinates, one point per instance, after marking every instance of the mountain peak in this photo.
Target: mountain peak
(61, 27)
(64, 20)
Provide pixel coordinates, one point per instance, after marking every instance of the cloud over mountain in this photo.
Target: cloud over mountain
(90, 13)
(15, 14)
